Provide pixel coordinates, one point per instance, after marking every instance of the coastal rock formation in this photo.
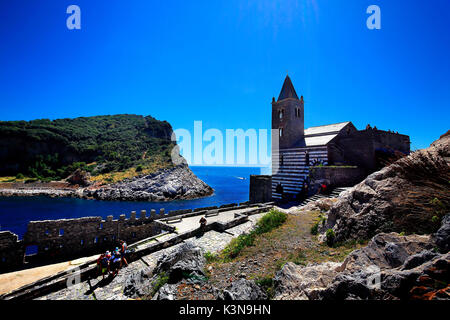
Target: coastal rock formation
(62, 151)
(409, 195)
(390, 267)
(174, 183)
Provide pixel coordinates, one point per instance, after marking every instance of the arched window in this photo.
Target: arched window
(281, 113)
(281, 132)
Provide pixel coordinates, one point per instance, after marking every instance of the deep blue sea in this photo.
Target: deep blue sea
(227, 182)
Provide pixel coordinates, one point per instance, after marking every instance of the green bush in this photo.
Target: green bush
(210, 257)
(270, 221)
(237, 244)
(266, 284)
(273, 219)
(161, 280)
(315, 228)
(20, 176)
(435, 219)
(330, 237)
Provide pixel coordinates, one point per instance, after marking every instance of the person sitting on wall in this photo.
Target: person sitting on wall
(123, 252)
(202, 223)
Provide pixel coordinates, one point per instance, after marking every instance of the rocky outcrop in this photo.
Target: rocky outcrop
(390, 267)
(442, 236)
(185, 264)
(404, 196)
(243, 289)
(187, 261)
(166, 292)
(175, 183)
(294, 282)
(138, 284)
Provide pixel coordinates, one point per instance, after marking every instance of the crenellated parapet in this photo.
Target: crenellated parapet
(64, 239)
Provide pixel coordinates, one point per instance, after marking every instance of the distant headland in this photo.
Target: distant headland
(111, 157)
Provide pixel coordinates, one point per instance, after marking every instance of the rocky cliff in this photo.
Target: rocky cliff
(118, 157)
(411, 195)
(52, 149)
(390, 267)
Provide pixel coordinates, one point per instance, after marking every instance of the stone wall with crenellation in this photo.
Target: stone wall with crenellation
(65, 239)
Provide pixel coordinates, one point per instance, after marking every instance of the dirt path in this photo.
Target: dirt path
(290, 242)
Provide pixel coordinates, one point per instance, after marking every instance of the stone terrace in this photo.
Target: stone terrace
(211, 241)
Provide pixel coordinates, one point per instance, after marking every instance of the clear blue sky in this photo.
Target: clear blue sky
(222, 61)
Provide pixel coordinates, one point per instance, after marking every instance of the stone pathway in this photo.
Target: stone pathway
(96, 289)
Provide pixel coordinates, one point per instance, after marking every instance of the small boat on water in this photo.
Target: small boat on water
(241, 178)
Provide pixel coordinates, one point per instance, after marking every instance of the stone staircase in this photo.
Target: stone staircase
(334, 194)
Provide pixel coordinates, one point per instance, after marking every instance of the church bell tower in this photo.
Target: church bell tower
(288, 117)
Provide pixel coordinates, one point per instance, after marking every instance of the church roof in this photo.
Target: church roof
(322, 135)
(319, 140)
(326, 129)
(287, 91)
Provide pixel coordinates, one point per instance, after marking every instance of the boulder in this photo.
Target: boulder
(138, 284)
(243, 289)
(386, 251)
(185, 262)
(442, 236)
(295, 282)
(80, 177)
(166, 292)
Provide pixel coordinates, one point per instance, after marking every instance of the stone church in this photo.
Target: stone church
(341, 154)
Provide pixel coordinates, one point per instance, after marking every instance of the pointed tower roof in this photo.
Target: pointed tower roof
(288, 90)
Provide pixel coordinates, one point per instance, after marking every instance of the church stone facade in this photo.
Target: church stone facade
(337, 145)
